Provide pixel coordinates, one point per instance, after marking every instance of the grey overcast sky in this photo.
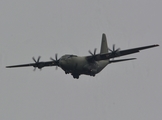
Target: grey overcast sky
(124, 91)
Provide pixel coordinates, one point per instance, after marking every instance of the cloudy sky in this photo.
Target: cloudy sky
(126, 91)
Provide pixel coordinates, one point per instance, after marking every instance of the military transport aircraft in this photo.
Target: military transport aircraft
(87, 65)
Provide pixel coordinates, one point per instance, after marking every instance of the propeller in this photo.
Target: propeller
(94, 53)
(37, 63)
(56, 61)
(114, 51)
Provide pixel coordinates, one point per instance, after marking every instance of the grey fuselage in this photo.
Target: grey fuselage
(77, 65)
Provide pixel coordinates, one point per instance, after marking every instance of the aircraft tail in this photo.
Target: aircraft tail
(104, 47)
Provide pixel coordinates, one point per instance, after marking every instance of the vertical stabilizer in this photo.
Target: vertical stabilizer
(104, 47)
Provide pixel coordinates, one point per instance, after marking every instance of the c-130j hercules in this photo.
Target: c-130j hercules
(87, 65)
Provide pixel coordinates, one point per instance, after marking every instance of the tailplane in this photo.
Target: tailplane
(121, 60)
(104, 47)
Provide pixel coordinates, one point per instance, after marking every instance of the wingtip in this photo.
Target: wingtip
(157, 45)
(8, 66)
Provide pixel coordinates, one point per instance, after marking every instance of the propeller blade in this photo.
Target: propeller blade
(95, 51)
(90, 52)
(34, 59)
(56, 68)
(113, 47)
(118, 49)
(52, 59)
(38, 59)
(56, 56)
(109, 49)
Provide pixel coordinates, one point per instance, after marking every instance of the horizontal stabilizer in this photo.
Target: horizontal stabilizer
(121, 60)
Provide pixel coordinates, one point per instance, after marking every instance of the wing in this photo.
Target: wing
(130, 51)
(22, 65)
(118, 53)
(37, 64)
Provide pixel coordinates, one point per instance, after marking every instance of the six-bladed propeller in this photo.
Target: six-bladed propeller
(37, 63)
(56, 61)
(114, 51)
(93, 54)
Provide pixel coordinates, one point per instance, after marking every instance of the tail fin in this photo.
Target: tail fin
(104, 47)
